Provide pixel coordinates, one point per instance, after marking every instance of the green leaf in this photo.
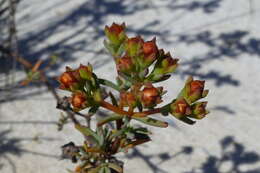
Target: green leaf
(151, 121)
(135, 143)
(118, 133)
(93, 110)
(33, 75)
(116, 167)
(142, 130)
(108, 83)
(187, 120)
(104, 170)
(157, 78)
(113, 99)
(108, 119)
(54, 59)
(100, 133)
(85, 74)
(88, 132)
(127, 78)
(109, 47)
(94, 170)
(120, 50)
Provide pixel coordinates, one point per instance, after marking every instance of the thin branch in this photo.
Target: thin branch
(43, 78)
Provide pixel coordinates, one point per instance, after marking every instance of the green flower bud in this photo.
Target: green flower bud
(85, 72)
(116, 33)
(199, 110)
(164, 66)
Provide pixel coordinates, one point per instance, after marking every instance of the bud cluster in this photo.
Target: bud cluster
(148, 97)
(185, 106)
(139, 65)
(82, 84)
(134, 56)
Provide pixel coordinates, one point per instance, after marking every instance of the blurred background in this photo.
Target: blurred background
(215, 40)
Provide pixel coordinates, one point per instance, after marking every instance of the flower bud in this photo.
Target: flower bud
(79, 101)
(68, 80)
(134, 46)
(150, 51)
(194, 90)
(125, 64)
(149, 47)
(73, 80)
(163, 67)
(116, 29)
(199, 110)
(115, 33)
(128, 99)
(151, 96)
(180, 108)
(85, 72)
(169, 65)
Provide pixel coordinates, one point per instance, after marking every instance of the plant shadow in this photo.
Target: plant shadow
(233, 153)
(12, 146)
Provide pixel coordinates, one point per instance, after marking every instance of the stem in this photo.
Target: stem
(146, 113)
(114, 108)
(37, 65)
(43, 78)
(129, 113)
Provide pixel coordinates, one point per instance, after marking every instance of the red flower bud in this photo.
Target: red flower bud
(134, 46)
(67, 80)
(196, 86)
(150, 47)
(135, 40)
(115, 29)
(125, 64)
(75, 79)
(128, 99)
(79, 101)
(150, 51)
(194, 90)
(151, 96)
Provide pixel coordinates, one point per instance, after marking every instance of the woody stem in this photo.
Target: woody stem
(114, 108)
(146, 113)
(129, 113)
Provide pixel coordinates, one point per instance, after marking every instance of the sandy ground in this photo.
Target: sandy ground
(216, 40)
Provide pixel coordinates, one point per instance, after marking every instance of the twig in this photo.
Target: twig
(43, 78)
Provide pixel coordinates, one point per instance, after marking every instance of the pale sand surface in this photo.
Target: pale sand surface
(218, 41)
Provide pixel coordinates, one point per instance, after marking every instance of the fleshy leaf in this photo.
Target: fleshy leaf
(88, 132)
(151, 121)
(115, 167)
(108, 119)
(108, 83)
(187, 120)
